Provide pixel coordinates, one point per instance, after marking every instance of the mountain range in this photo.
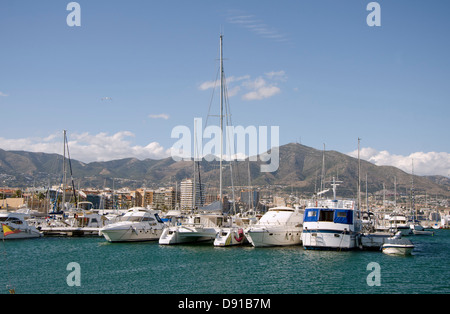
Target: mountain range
(299, 169)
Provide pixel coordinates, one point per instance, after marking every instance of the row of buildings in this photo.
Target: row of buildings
(186, 195)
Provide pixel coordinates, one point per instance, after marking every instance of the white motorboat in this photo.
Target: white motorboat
(229, 236)
(197, 228)
(436, 226)
(78, 222)
(423, 232)
(373, 240)
(397, 245)
(14, 226)
(399, 222)
(138, 224)
(279, 226)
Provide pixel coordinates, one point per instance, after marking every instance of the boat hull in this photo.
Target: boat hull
(230, 237)
(328, 240)
(374, 241)
(269, 237)
(180, 235)
(131, 234)
(392, 249)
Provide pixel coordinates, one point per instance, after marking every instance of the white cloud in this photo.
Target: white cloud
(253, 89)
(278, 75)
(211, 84)
(261, 93)
(3, 94)
(159, 116)
(257, 26)
(431, 163)
(89, 147)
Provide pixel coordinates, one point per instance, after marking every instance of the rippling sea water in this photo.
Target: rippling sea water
(40, 266)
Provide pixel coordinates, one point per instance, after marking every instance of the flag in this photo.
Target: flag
(7, 230)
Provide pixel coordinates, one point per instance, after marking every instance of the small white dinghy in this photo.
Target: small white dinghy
(397, 245)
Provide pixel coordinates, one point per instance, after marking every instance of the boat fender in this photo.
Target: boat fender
(241, 235)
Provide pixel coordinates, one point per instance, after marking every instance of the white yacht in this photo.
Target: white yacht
(196, 228)
(279, 226)
(14, 226)
(399, 222)
(396, 245)
(331, 224)
(138, 224)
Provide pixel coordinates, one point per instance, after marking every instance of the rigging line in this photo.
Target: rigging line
(229, 122)
(212, 97)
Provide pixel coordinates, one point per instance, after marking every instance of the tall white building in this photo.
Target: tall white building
(187, 192)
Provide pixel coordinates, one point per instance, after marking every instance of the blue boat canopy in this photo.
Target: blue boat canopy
(340, 216)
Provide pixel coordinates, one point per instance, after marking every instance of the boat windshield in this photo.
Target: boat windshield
(14, 220)
(134, 218)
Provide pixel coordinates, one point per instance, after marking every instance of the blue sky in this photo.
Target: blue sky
(134, 70)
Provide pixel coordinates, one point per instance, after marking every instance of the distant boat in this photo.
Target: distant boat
(423, 232)
(436, 226)
(398, 222)
(397, 245)
(14, 226)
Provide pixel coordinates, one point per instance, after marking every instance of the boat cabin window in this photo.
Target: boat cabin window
(135, 218)
(310, 215)
(148, 219)
(15, 220)
(326, 215)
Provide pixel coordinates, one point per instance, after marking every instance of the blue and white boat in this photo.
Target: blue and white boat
(331, 224)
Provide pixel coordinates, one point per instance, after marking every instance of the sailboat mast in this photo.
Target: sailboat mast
(359, 177)
(64, 172)
(221, 117)
(194, 186)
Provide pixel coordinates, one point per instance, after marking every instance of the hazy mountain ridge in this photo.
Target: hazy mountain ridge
(300, 168)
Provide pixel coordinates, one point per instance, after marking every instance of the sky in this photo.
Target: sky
(134, 70)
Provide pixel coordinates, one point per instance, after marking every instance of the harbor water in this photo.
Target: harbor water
(41, 266)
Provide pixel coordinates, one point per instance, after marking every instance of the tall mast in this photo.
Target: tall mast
(359, 177)
(221, 117)
(64, 172)
(322, 180)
